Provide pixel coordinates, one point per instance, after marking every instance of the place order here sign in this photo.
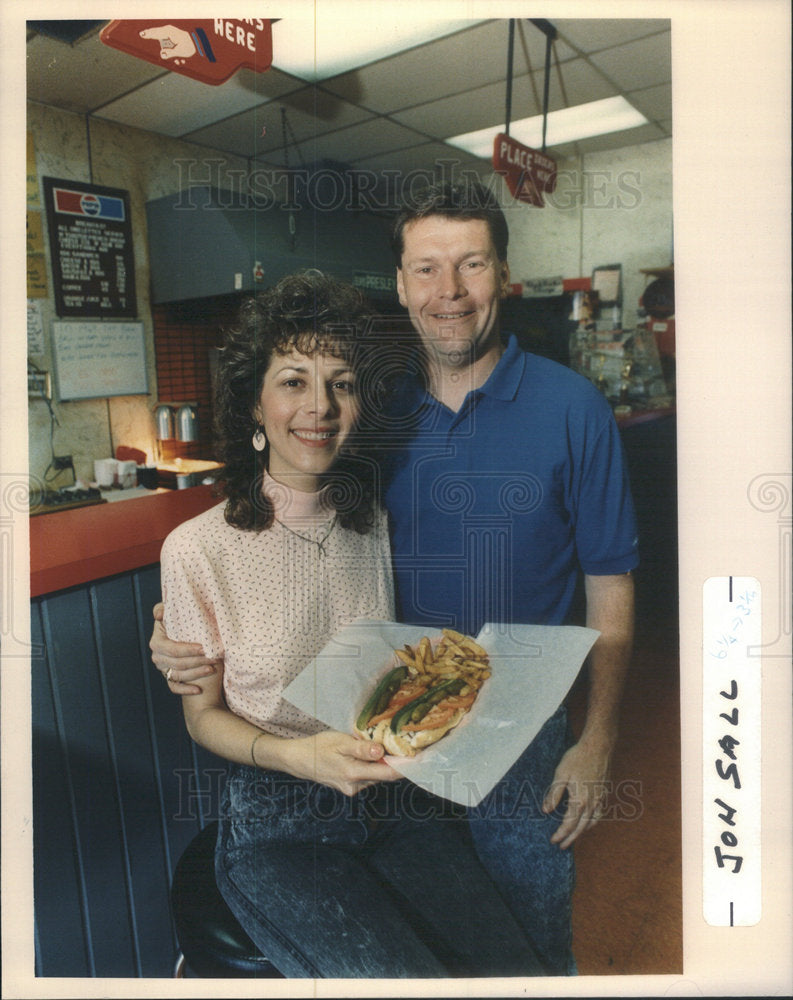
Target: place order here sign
(528, 173)
(209, 50)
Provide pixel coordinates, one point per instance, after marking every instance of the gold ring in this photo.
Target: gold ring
(168, 673)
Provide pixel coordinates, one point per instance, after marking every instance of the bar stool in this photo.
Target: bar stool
(212, 943)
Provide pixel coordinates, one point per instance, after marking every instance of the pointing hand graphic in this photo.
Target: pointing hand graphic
(175, 43)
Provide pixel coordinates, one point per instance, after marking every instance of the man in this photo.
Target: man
(504, 482)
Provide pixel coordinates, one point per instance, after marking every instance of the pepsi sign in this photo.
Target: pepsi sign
(90, 205)
(90, 234)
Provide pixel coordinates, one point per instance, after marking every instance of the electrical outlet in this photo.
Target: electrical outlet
(62, 462)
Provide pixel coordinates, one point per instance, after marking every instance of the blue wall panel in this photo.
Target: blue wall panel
(80, 715)
(131, 753)
(119, 789)
(62, 946)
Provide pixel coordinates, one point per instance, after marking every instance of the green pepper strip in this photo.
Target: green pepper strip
(381, 695)
(415, 710)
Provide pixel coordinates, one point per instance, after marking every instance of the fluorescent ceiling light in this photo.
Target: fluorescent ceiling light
(314, 50)
(580, 122)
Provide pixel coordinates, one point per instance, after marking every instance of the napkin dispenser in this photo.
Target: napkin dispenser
(109, 472)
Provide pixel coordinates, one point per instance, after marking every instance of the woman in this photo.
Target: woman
(334, 864)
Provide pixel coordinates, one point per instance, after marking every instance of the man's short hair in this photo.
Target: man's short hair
(454, 200)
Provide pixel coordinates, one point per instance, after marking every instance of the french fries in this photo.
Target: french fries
(454, 655)
(427, 693)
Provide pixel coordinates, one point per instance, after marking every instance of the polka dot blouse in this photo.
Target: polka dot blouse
(269, 601)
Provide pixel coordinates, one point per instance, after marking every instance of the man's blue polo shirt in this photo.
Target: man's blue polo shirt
(496, 507)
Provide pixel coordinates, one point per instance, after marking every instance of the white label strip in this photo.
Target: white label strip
(731, 752)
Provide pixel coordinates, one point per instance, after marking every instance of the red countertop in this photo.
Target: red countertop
(71, 547)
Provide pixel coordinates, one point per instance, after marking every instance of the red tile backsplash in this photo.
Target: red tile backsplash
(184, 335)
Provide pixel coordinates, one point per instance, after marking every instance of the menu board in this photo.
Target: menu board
(99, 359)
(90, 232)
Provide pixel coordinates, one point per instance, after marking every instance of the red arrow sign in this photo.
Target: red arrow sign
(527, 172)
(209, 50)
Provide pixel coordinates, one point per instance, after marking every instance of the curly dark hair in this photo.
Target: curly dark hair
(463, 199)
(309, 313)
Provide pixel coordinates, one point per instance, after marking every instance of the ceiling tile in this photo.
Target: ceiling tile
(613, 140)
(312, 111)
(81, 77)
(529, 47)
(592, 35)
(430, 92)
(175, 105)
(259, 132)
(322, 41)
(580, 84)
(349, 145)
(241, 135)
(645, 63)
(655, 103)
(452, 65)
(464, 112)
(70, 31)
(486, 106)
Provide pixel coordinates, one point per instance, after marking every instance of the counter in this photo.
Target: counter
(72, 547)
(643, 416)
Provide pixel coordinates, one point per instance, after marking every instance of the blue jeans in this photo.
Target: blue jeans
(512, 837)
(384, 885)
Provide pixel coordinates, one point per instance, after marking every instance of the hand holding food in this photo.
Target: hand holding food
(428, 694)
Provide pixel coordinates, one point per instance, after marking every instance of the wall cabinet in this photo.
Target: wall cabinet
(204, 241)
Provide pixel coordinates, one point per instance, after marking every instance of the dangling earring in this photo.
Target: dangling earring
(259, 440)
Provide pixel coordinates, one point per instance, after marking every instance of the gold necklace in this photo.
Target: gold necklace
(319, 542)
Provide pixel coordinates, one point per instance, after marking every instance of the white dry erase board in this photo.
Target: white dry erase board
(99, 359)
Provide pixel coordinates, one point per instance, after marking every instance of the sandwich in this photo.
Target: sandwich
(427, 694)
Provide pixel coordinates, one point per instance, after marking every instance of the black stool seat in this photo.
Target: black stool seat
(213, 943)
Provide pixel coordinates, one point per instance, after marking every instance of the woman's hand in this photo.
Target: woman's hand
(343, 762)
(330, 758)
(180, 663)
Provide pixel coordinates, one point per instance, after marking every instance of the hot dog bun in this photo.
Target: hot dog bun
(427, 695)
(407, 744)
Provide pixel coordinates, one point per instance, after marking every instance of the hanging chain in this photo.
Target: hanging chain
(510, 47)
(290, 182)
(525, 48)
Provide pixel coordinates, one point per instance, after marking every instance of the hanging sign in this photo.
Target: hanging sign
(209, 50)
(93, 265)
(528, 173)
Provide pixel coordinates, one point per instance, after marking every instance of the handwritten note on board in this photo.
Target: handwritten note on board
(99, 359)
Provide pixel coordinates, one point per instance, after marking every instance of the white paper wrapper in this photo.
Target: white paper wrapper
(533, 668)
